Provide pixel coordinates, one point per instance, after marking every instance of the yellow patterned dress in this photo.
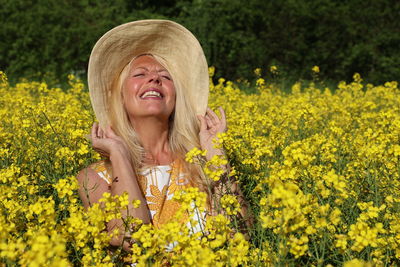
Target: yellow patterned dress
(158, 185)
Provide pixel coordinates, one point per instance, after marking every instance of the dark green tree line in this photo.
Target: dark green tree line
(41, 37)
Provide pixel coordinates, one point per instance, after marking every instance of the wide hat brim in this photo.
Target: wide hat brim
(164, 38)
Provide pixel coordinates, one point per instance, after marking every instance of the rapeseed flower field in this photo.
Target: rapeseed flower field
(319, 168)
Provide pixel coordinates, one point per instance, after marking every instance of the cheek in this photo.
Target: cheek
(129, 90)
(131, 86)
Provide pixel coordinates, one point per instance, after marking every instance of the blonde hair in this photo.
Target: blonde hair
(183, 128)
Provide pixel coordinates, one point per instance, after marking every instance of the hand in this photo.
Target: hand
(210, 126)
(106, 142)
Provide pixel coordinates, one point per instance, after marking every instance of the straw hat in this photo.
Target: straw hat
(163, 38)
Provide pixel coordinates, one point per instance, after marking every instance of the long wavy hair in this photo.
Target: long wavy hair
(184, 127)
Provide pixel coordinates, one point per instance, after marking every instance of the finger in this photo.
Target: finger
(210, 123)
(223, 117)
(100, 132)
(203, 123)
(214, 118)
(93, 133)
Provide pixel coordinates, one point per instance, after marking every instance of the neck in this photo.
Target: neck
(153, 134)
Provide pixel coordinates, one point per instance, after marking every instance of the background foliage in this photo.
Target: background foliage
(53, 38)
(320, 170)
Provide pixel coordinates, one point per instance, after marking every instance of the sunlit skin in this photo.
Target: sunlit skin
(146, 74)
(325, 167)
(149, 100)
(150, 115)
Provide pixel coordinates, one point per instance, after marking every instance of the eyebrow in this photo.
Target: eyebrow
(160, 70)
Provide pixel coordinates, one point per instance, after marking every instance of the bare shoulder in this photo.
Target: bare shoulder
(87, 173)
(98, 170)
(92, 183)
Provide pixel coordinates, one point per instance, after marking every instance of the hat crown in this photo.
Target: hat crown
(166, 39)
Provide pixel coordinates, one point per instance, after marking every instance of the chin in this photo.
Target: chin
(155, 114)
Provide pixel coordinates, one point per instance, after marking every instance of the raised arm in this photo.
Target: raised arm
(210, 126)
(124, 179)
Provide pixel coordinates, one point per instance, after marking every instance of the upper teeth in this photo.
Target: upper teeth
(151, 93)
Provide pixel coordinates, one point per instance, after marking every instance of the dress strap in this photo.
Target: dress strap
(101, 169)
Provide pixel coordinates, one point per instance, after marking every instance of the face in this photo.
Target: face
(149, 90)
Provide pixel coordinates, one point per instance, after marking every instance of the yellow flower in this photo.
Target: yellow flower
(273, 69)
(193, 155)
(315, 69)
(211, 71)
(318, 167)
(230, 204)
(357, 263)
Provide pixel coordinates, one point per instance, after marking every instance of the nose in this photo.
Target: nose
(155, 77)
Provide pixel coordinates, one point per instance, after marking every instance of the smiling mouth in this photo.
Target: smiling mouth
(151, 94)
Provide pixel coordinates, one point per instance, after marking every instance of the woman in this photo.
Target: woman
(148, 82)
